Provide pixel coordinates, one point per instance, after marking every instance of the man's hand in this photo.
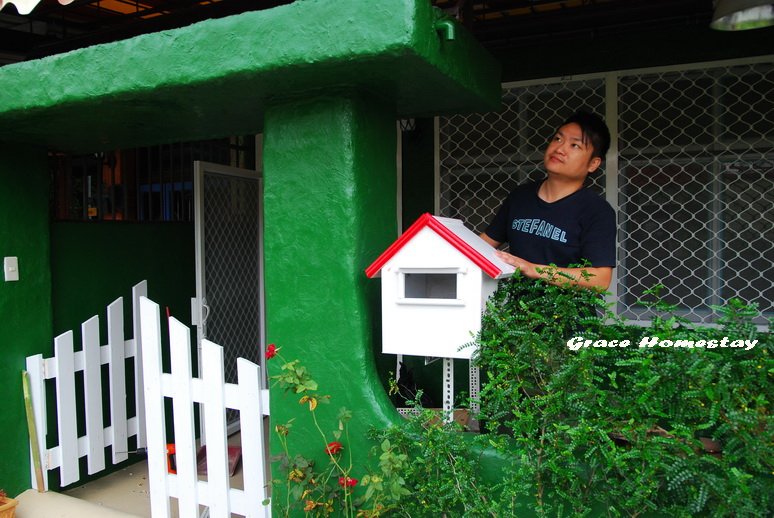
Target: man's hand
(527, 268)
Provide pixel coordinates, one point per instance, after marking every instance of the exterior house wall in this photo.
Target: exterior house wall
(417, 181)
(326, 80)
(589, 51)
(25, 305)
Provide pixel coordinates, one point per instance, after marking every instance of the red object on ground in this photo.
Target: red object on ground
(234, 455)
(171, 462)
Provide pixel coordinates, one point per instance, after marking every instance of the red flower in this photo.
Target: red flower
(333, 448)
(271, 351)
(347, 481)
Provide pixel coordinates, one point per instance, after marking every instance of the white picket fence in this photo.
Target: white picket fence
(215, 396)
(89, 360)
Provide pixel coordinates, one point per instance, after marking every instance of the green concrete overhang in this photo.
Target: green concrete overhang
(216, 78)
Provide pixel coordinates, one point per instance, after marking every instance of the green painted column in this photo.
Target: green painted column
(330, 209)
(25, 305)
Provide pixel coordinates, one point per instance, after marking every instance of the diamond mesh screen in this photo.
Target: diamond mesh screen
(695, 176)
(231, 268)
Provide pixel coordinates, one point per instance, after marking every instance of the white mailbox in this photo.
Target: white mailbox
(436, 279)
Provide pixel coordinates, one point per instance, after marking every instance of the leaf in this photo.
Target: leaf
(312, 400)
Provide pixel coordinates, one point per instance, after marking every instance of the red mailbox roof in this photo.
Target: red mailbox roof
(464, 242)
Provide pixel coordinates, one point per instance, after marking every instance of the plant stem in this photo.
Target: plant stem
(338, 466)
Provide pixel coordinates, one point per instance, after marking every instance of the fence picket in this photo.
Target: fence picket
(253, 455)
(65, 404)
(182, 412)
(92, 384)
(36, 372)
(154, 408)
(213, 376)
(117, 376)
(139, 290)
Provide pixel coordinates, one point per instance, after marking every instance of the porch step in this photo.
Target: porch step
(56, 505)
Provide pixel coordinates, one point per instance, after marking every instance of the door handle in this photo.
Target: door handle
(205, 311)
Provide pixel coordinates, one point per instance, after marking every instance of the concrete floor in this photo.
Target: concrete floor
(122, 494)
(61, 505)
(125, 490)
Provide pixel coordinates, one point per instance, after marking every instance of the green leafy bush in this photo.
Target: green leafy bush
(616, 431)
(627, 429)
(441, 469)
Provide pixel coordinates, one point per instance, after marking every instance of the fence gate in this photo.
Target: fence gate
(214, 397)
(64, 368)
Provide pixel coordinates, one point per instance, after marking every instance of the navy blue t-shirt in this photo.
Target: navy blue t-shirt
(579, 226)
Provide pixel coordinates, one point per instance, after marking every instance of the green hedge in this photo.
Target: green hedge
(618, 431)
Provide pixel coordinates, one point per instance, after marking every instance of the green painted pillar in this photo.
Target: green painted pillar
(330, 210)
(25, 305)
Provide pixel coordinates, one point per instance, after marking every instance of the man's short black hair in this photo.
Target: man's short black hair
(594, 130)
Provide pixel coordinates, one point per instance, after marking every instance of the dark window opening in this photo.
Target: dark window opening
(150, 184)
(431, 286)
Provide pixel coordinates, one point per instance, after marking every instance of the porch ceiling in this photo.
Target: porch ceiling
(500, 25)
(148, 89)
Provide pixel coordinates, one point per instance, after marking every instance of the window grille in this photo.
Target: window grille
(692, 160)
(147, 184)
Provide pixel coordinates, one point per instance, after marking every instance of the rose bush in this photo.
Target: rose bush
(329, 490)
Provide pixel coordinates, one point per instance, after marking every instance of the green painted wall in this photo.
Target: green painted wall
(25, 305)
(330, 195)
(418, 170)
(93, 264)
(96, 263)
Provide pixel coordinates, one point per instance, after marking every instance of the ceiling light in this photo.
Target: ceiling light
(740, 15)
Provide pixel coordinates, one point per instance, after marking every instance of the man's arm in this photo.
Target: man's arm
(598, 277)
(492, 242)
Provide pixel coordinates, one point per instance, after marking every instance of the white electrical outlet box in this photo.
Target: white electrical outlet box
(11, 268)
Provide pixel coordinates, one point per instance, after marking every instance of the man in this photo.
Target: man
(557, 220)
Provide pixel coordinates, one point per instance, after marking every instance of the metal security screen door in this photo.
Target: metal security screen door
(228, 263)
